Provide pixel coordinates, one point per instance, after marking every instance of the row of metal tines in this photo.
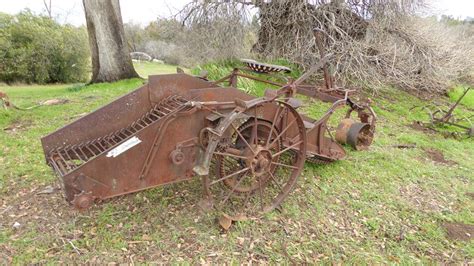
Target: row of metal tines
(67, 158)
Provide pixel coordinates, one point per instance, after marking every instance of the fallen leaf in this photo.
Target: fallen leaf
(225, 221)
(46, 190)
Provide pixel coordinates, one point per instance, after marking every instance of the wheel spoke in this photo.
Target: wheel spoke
(273, 124)
(230, 154)
(229, 176)
(231, 192)
(254, 138)
(287, 148)
(247, 198)
(274, 180)
(282, 132)
(285, 165)
(242, 137)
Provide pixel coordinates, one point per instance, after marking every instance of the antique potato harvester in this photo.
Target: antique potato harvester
(248, 151)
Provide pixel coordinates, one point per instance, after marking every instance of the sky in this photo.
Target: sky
(144, 11)
(71, 11)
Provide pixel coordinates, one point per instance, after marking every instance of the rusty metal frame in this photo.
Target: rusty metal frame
(441, 116)
(174, 127)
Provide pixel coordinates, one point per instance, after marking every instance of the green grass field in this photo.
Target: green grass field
(467, 100)
(145, 68)
(382, 206)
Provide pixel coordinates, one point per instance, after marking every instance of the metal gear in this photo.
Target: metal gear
(317, 160)
(82, 200)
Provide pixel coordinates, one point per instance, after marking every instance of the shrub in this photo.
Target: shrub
(36, 49)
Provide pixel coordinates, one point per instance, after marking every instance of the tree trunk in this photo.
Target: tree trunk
(111, 59)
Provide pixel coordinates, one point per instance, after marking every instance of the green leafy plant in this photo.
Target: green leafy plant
(36, 49)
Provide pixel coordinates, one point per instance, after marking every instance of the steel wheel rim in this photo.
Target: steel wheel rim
(274, 182)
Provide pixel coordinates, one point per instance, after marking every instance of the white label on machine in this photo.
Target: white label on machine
(124, 147)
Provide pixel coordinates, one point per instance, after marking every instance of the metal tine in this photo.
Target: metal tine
(153, 114)
(128, 131)
(157, 113)
(144, 120)
(138, 125)
(116, 138)
(170, 104)
(84, 145)
(157, 108)
(147, 120)
(119, 136)
(111, 139)
(133, 126)
(53, 156)
(142, 117)
(83, 153)
(64, 159)
(57, 168)
(160, 112)
(164, 110)
(175, 103)
(73, 148)
(60, 166)
(142, 123)
(97, 146)
(107, 140)
(73, 151)
(168, 110)
(63, 166)
(131, 129)
(124, 133)
(66, 152)
(92, 152)
(99, 142)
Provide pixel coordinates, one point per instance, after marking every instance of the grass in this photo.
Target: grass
(145, 68)
(382, 206)
(458, 91)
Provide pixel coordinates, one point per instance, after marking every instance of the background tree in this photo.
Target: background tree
(375, 43)
(110, 55)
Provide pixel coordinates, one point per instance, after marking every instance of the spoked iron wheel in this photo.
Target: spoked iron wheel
(258, 163)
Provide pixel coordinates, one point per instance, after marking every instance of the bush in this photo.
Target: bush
(36, 49)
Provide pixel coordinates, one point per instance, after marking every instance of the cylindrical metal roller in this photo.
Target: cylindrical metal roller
(343, 129)
(360, 136)
(356, 134)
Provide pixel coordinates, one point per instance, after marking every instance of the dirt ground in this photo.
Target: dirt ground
(459, 231)
(438, 157)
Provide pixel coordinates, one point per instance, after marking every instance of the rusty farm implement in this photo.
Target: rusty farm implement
(248, 151)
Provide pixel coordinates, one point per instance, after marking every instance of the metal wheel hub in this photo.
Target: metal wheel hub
(260, 163)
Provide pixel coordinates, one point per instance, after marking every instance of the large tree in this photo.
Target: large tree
(110, 56)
